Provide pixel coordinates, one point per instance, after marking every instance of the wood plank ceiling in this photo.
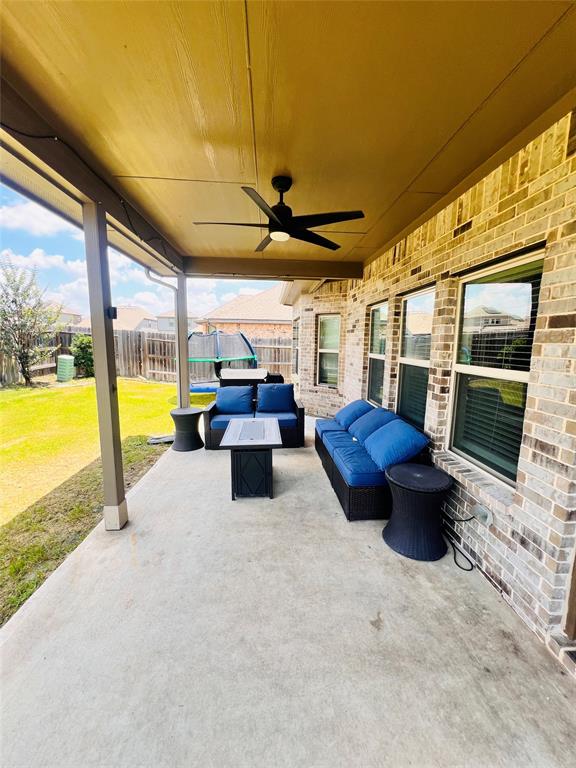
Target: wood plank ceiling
(383, 106)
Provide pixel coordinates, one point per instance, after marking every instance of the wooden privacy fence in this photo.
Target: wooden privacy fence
(152, 355)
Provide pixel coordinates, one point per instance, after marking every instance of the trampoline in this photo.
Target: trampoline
(221, 348)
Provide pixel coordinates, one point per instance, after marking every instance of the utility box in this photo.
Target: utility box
(65, 368)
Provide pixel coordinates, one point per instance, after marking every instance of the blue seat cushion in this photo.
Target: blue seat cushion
(333, 440)
(286, 419)
(345, 416)
(357, 468)
(370, 422)
(275, 398)
(328, 425)
(234, 400)
(395, 443)
(220, 420)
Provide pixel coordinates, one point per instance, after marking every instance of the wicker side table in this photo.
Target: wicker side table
(186, 435)
(415, 527)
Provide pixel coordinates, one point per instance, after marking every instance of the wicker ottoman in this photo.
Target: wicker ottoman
(415, 527)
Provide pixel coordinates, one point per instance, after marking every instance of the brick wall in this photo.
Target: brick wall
(526, 551)
(252, 330)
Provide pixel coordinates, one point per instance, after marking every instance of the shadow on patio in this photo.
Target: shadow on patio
(270, 634)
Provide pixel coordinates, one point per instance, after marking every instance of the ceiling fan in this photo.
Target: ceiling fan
(282, 225)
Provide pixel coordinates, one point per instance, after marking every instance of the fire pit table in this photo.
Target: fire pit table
(415, 526)
(251, 442)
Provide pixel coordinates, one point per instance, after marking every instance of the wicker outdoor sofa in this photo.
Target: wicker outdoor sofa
(357, 446)
(272, 400)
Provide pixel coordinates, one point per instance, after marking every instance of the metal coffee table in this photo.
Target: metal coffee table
(251, 442)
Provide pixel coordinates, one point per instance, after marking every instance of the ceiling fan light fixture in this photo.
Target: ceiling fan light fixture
(279, 236)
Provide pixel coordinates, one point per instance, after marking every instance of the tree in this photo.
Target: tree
(81, 348)
(26, 321)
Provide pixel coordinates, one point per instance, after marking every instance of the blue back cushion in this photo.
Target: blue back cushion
(363, 427)
(234, 399)
(275, 398)
(394, 443)
(352, 411)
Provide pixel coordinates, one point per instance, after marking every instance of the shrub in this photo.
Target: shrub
(81, 348)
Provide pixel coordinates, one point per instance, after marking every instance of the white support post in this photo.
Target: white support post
(96, 243)
(182, 367)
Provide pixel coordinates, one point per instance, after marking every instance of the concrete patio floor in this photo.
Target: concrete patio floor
(270, 634)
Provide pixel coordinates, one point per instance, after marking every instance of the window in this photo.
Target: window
(328, 346)
(295, 345)
(417, 312)
(496, 328)
(377, 352)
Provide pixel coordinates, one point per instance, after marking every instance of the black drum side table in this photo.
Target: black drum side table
(415, 526)
(186, 435)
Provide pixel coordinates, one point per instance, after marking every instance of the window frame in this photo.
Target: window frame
(320, 350)
(402, 359)
(479, 370)
(374, 355)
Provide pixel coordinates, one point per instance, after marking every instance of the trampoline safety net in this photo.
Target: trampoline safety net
(220, 347)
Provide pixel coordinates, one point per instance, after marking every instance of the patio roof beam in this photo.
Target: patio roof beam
(282, 269)
(28, 128)
(96, 244)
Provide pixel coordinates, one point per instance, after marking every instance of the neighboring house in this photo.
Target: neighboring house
(66, 316)
(167, 323)
(260, 315)
(129, 319)
(481, 317)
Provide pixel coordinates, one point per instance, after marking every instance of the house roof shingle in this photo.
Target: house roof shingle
(261, 307)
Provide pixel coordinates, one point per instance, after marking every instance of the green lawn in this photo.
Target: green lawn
(37, 540)
(51, 475)
(50, 432)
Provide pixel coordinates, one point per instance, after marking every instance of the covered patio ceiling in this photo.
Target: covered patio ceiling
(389, 107)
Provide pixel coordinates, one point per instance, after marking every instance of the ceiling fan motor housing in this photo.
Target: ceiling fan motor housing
(281, 183)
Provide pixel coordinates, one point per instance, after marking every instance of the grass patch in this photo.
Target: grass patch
(35, 542)
(50, 431)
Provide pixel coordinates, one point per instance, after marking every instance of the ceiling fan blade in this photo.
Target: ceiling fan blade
(267, 240)
(312, 237)
(262, 204)
(319, 219)
(229, 224)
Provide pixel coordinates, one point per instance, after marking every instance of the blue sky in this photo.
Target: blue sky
(34, 238)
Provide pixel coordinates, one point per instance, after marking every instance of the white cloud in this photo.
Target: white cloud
(73, 295)
(40, 260)
(34, 219)
(130, 286)
(242, 292)
(155, 301)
